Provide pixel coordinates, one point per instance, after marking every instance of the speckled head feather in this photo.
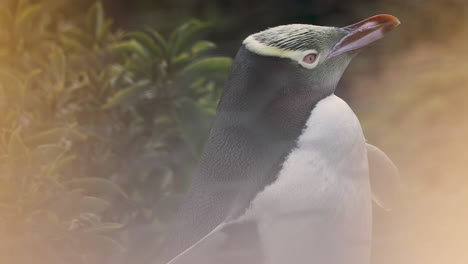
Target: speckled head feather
(289, 40)
(293, 37)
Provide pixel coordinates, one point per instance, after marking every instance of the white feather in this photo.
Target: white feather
(266, 50)
(319, 208)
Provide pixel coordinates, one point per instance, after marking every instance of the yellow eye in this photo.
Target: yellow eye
(310, 58)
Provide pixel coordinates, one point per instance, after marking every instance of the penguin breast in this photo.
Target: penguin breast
(328, 163)
(321, 199)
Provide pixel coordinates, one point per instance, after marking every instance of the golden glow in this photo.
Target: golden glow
(416, 111)
(418, 115)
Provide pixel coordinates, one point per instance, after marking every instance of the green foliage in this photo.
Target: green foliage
(99, 132)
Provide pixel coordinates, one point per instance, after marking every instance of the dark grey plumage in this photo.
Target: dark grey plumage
(264, 106)
(266, 102)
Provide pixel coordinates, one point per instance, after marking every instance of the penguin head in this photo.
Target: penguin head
(281, 73)
(302, 50)
(319, 53)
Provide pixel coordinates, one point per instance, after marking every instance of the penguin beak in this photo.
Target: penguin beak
(364, 33)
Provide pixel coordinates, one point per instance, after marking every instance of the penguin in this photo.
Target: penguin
(285, 176)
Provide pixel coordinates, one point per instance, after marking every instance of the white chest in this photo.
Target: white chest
(326, 169)
(322, 187)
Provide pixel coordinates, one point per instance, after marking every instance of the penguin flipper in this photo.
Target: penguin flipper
(384, 177)
(221, 245)
(210, 238)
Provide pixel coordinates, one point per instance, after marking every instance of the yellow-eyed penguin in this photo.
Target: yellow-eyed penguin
(284, 177)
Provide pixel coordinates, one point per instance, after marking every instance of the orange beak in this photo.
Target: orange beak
(364, 33)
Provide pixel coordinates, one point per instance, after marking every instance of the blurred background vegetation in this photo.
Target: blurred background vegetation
(104, 109)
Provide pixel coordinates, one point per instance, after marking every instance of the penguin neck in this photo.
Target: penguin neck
(263, 110)
(333, 130)
(270, 96)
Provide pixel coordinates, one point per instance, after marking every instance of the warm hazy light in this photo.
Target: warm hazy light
(414, 107)
(418, 115)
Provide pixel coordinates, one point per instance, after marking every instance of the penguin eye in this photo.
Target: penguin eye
(310, 58)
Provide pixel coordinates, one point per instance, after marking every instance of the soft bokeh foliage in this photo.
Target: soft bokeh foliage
(99, 130)
(102, 119)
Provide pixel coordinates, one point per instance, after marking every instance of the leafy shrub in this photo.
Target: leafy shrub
(99, 132)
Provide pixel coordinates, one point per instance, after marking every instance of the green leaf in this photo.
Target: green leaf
(90, 204)
(182, 38)
(100, 20)
(206, 67)
(147, 42)
(130, 47)
(127, 95)
(72, 44)
(95, 19)
(96, 186)
(105, 29)
(159, 39)
(180, 60)
(51, 136)
(78, 35)
(29, 14)
(59, 63)
(202, 46)
(45, 156)
(59, 164)
(70, 205)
